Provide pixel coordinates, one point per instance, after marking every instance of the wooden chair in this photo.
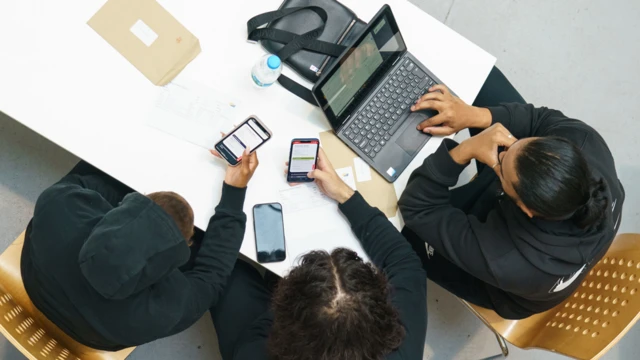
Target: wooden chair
(592, 320)
(27, 328)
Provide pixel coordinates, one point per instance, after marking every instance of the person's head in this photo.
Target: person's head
(549, 177)
(178, 208)
(333, 307)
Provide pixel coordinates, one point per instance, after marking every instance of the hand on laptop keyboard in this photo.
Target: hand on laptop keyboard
(378, 122)
(453, 114)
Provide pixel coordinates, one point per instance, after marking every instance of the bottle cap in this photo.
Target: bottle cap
(273, 62)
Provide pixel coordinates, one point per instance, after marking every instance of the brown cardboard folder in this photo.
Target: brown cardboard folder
(377, 191)
(162, 48)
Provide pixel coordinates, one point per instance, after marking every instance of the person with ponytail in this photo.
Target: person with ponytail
(542, 211)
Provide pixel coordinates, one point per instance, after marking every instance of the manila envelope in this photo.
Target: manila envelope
(148, 36)
(377, 191)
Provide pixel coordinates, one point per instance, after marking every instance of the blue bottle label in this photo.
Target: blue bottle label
(258, 82)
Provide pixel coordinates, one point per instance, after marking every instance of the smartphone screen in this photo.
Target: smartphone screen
(250, 133)
(269, 229)
(302, 159)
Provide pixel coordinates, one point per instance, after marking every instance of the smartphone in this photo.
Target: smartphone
(250, 133)
(269, 230)
(303, 158)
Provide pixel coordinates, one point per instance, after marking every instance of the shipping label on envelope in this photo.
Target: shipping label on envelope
(148, 36)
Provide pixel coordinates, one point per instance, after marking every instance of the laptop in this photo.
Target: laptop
(368, 93)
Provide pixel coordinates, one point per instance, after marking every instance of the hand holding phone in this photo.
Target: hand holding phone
(239, 176)
(303, 157)
(251, 134)
(329, 182)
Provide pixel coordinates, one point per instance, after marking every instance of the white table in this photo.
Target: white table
(62, 80)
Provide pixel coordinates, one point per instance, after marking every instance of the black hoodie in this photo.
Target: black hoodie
(530, 265)
(105, 269)
(391, 253)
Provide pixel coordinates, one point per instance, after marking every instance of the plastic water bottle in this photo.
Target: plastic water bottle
(266, 71)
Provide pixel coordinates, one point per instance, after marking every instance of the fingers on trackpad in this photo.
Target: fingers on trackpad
(412, 139)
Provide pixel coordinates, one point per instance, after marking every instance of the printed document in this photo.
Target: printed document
(193, 112)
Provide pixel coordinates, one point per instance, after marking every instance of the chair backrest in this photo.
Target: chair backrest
(593, 318)
(27, 328)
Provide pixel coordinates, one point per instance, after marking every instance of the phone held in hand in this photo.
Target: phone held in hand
(269, 232)
(251, 133)
(303, 158)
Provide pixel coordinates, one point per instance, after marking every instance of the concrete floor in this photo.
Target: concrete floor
(579, 56)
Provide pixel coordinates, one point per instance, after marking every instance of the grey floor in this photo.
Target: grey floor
(579, 56)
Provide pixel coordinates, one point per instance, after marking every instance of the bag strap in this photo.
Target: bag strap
(297, 89)
(285, 37)
(293, 43)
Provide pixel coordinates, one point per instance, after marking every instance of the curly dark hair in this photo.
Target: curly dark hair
(333, 307)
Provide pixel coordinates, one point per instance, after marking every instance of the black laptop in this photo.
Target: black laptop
(367, 95)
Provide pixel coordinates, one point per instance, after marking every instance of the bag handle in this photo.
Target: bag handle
(293, 43)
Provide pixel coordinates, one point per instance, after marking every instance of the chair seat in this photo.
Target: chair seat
(593, 319)
(27, 328)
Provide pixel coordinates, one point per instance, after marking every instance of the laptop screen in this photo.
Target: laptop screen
(358, 72)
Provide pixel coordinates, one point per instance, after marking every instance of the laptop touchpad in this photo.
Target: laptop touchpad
(411, 139)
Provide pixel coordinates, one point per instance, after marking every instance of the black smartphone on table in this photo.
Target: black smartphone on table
(250, 133)
(303, 158)
(268, 225)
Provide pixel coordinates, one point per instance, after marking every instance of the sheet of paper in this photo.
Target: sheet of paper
(193, 112)
(346, 174)
(331, 232)
(143, 32)
(302, 197)
(363, 171)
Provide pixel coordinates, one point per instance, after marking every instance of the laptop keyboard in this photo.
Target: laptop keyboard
(378, 120)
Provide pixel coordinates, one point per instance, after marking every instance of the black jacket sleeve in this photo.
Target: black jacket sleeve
(525, 120)
(426, 209)
(391, 252)
(202, 286)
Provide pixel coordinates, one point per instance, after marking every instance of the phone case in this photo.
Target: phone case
(305, 179)
(257, 119)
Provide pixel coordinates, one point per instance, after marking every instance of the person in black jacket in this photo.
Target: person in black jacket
(332, 306)
(102, 262)
(543, 209)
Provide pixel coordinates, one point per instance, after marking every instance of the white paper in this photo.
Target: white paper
(328, 233)
(193, 112)
(320, 228)
(302, 197)
(363, 171)
(346, 174)
(143, 32)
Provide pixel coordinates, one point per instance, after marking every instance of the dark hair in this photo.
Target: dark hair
(555, 182)
(333, 307)
(178, 208)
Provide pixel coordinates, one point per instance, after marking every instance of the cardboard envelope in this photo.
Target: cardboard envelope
(148, 36)
(377, 191)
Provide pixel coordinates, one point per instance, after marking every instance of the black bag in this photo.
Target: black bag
(308, 35)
